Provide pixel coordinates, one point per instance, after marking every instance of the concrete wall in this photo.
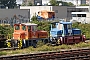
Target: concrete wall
(11, 12)
(60, 12)
(12, 16)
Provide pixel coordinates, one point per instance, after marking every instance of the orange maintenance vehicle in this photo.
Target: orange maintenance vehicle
(26, 34)
(44, 14)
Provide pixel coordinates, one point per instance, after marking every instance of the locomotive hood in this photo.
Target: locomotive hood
(18, 35)
(18, 32)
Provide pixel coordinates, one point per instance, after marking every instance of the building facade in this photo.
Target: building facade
(37, 2)
(34, 2)
(60, 11)
(12, 16)
(44, 2)
(76, 2)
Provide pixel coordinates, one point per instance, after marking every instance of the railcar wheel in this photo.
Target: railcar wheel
(19, 43)
(8, 43)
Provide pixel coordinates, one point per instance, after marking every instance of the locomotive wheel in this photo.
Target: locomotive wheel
(58, 42)
(9, 43)
(19, 43)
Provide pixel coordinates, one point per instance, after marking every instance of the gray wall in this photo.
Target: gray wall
(60, 12)
(8, 15)
(11, 12)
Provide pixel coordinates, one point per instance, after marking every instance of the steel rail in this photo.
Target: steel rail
(62, 55)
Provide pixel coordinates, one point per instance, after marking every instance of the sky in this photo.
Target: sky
(19, 1)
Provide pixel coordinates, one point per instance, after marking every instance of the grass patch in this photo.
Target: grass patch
(65, 46)
(44, 48)
(82, 44)
(40, 43)
(3, 53)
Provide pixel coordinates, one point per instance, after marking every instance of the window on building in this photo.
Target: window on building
(78, 15)
(73, 15)
(81, 15)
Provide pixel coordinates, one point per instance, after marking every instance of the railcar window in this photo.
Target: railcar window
(69, 26)
(65, 26)
(17, 27)
(29, 28)
(54, 25)
(24, 28)
(34, 28)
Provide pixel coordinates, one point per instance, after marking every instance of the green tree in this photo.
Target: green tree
(30, 4)
(56, 3)
(34, 19)
(53, 2)
(23, 4)
(42, 25)
(4, 30)
(8, 3)
(65, 3)
(70, 4)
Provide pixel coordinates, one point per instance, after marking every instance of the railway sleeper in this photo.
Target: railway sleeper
(83, 56)
(86, 58)
(79, 57)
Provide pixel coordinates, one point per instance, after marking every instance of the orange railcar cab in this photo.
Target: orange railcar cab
(46, 14)
(27, 34)
(28, 31)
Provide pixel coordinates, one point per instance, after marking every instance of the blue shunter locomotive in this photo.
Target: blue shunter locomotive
(63, 33)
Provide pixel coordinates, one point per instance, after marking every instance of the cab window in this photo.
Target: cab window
(53, 25)
(24, 27)
(69, 26)
(65, 26)
(17, 27)
(29, 28)
(34, 28)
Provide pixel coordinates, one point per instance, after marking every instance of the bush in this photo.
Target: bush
(84, 28)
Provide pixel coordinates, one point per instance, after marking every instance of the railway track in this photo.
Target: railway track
(3, 49)
(81, 54)
(78, 54)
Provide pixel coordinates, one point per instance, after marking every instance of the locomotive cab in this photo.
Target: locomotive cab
(24, 31)
(66, 28)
